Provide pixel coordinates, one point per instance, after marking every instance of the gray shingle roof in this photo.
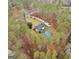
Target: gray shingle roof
(40, 27)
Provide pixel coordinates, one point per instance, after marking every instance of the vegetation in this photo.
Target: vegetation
(29, 44)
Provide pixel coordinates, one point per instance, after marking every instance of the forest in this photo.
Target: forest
(30, 37)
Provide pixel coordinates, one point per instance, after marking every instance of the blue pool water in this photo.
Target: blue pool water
(47, 34)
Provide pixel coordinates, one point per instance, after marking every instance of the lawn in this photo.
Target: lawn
(33, 21)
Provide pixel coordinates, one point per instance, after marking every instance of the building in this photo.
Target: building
(11, 55)
(40, 27)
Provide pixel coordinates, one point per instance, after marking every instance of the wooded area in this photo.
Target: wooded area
(39, 42)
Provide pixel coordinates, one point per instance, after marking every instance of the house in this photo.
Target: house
(37, 24)
(11, 55)
(40, 27)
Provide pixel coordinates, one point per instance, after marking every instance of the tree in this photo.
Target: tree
(48, 55)
(29, 25)
(42, 55)
(22, 56)
(66, 56)
(36, 55)
(54, 54)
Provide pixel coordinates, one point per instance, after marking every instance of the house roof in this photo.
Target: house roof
(40, 26)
